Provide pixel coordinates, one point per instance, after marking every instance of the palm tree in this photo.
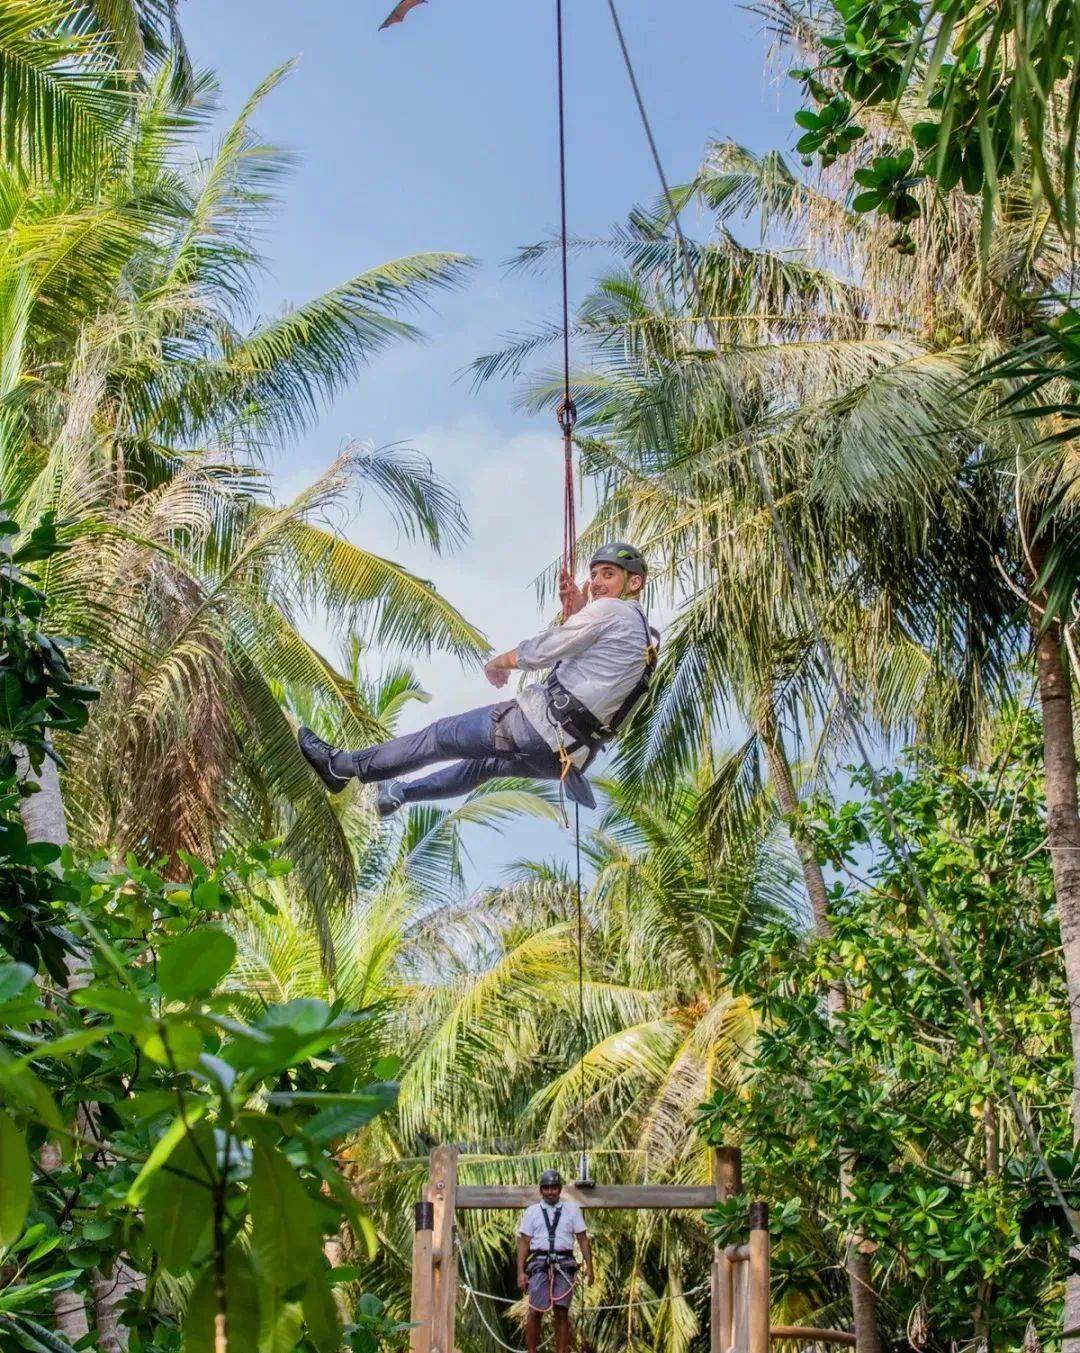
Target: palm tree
(912, 508)
(502, 1062)
(139, 404)
(479, 1006)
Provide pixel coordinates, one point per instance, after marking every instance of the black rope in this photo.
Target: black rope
(903, 850)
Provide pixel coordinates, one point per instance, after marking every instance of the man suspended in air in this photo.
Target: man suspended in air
(547, 1265)
(601, 660)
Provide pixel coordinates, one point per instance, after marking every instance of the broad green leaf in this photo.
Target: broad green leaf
(26, 1294)
(285, 1231)
(321, 1315)
(14, 977)
(36, 1338)
(127, 1007)
(282, 1323)
(179, 1203)
(193, 964)
(16, 1174)
(170, 1139)
(173, 1043)
(60, 1047)
(241, 1302)
(337, 1120)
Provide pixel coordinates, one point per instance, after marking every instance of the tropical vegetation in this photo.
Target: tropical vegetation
(235, 1014)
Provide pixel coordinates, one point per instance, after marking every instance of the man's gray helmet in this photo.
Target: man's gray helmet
(551, 1179)
(622, 555)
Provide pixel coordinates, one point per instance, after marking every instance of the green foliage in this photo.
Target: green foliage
(996, 78)
(887, 185)
(38, 696)
(143, 1120)
(199, 1119)
(830, 132)
(945, 1193)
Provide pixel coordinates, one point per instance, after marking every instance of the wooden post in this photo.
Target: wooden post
(423, 1290)
(727, 1172)
(442, 1189)
(727, 1182)
(758, 1279)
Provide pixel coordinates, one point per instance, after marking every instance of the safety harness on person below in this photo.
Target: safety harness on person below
(555, 1261)
(580, 724)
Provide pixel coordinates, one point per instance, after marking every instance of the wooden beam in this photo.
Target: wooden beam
(423, 1279)
(442, 1190)
(727, 1181)
(614, 1197)
(809, 1334)
(722, 1319)
(759, 1286)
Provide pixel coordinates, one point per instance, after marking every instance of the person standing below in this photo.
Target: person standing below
(547, 1265)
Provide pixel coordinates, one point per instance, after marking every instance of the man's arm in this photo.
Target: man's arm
(586, 1254)
(522, 1257)
(577, 634)
(498, 669)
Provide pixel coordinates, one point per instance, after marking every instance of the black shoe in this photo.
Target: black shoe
(319, 755)
(389, 798)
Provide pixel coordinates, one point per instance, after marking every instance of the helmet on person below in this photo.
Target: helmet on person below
(623, 556)
(551, 1179)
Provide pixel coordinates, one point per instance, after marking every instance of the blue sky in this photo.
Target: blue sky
(440, 134)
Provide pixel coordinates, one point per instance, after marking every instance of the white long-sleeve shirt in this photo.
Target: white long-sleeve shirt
(601, 652)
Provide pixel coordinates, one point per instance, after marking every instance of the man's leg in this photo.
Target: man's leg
(532, 1331)
(471, 735)
(462, 778)
(562, 1329)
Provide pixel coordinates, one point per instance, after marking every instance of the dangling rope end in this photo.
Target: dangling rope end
(585, 1179)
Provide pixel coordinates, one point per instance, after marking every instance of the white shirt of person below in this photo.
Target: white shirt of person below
(534, 1236)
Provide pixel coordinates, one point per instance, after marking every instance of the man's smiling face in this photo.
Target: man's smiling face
(550, 1193)
(608, 580)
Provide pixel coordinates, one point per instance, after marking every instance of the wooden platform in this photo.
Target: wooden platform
(739, 1274)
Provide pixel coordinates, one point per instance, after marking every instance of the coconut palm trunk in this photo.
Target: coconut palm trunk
(1063, 841)
(856, 1263)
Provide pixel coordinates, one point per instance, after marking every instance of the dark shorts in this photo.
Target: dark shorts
(551, 1286)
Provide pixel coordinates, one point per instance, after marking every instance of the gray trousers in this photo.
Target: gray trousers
(484, 744)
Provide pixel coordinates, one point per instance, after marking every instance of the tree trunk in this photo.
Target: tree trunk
(1063, 840)
(856, 1263)
(108, 1294)
(42, 813)
(44, 819)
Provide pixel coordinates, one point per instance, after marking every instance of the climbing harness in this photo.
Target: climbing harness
(578, 721)
(854, 722)
(557, 1263)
